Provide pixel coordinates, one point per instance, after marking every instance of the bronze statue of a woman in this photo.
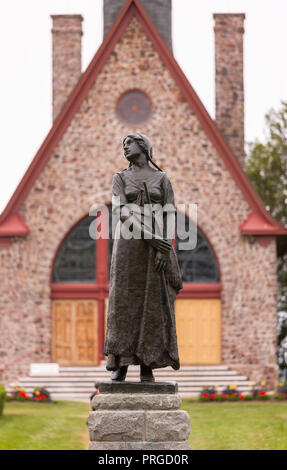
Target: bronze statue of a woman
(144, 277)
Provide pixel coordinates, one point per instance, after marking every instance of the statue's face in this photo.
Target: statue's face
(131, 149)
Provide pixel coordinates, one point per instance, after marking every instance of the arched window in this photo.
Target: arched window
(76, 260)
(198, 265)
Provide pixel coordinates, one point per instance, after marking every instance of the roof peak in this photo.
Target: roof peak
(159, 12)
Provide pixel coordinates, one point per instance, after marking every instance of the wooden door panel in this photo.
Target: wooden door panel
(186, 333)
(62, 330)
(198, 324)
(75, 332)
(86, 329)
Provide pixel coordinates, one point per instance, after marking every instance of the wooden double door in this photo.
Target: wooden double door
(198, 325)
(75, 332)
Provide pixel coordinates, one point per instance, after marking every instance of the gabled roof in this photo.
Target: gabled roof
(258, 223)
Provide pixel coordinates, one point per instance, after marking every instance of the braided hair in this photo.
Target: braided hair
(145, 145)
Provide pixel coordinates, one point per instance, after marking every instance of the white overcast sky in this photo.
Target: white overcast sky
(25, 59)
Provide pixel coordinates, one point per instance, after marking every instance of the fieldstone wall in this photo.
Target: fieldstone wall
(67, 57)
(79, 173)
(229, 83)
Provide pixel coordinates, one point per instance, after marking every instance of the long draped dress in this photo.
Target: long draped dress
(141, 321)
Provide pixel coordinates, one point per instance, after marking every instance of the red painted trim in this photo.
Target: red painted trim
(102, 253)
(101, 291)
(134, 8)
(78, 290)
(101, 327)
(200, 290)
(254, 224)
(14, 225)
(5, 242)
(264, 241)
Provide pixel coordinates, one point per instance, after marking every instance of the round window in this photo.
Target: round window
(134, 107)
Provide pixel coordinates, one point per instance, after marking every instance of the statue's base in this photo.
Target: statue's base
(113, 386)
(138, 416)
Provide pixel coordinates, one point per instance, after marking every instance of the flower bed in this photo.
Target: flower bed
(39, 394)
(230, 393)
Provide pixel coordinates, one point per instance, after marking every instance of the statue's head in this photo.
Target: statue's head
(144, 144)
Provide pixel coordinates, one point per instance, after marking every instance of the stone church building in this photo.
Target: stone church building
(55, 277)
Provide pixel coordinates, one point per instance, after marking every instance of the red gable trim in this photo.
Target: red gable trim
(134, 8)
(14, 225)
(255, 224)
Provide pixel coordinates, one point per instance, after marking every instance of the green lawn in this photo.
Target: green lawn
(237, 426)
(62, 426)
(39, 426)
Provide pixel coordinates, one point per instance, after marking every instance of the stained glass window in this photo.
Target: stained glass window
(134, 107)
(76, 260)
(199, 264)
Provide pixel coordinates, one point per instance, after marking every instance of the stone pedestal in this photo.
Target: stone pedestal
(138, 416)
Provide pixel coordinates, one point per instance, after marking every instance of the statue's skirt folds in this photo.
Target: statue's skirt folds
(141, 322)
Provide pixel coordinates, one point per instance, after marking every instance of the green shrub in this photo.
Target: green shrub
(2, 398)
(280, 396)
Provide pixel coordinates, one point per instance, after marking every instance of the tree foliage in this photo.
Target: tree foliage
(267, 169)
(267, 164)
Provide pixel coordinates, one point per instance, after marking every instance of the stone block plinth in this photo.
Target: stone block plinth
(136, 417)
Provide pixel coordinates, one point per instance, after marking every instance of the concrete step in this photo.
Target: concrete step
(90, 386)
(103, 367)
(60, 388)
(49, 382)
(93, 379)
(78, 383)
(160, 373)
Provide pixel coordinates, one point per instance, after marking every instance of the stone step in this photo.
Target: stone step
(58, 382)
(102, 376)
(158, 373)
(103, 367)
(88, 392)
(78, 383)
(76, 386)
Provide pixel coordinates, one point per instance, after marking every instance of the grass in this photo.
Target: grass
(237, 426)
(39, 426)
(220, 426)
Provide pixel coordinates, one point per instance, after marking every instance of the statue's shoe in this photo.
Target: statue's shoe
(119, 375)
(146, 374)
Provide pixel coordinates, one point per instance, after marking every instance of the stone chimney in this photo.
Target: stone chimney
(229, 30)
(159, 12)
(67, 39)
